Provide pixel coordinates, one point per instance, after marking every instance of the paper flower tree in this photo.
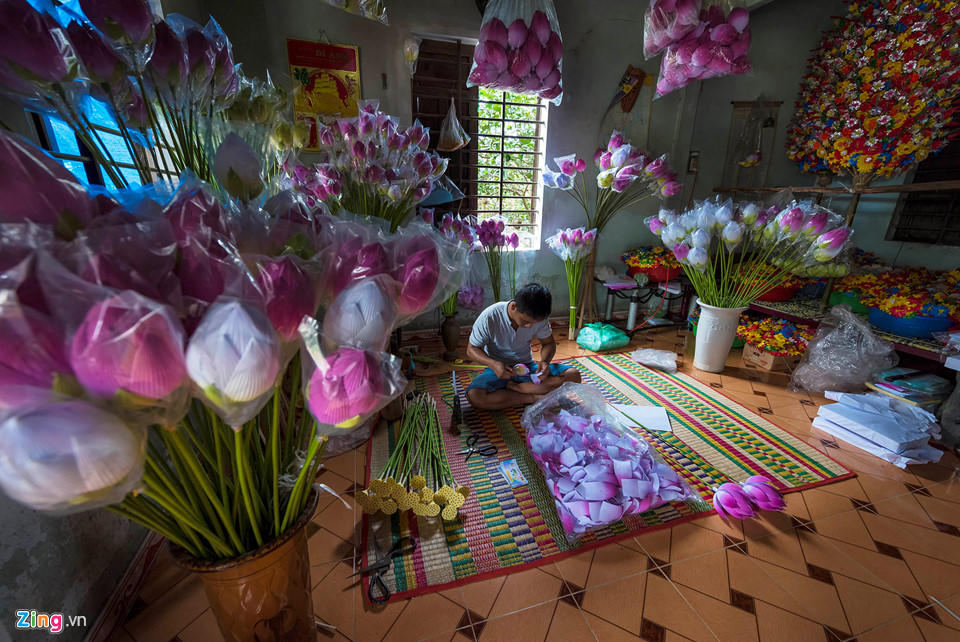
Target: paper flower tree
(880, 90)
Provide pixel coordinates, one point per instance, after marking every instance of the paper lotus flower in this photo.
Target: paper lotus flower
(132, 344)
(31, 350)
(233, 356)
(289, 294)
(69, 455)
(238, 168)
(731, 500)
(698, 257)
(355, 261)
(350, 386)
(363, 315)
(125, 21)
(418, 278)
(763, 493)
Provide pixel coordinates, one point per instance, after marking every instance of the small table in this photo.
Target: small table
(638, 294)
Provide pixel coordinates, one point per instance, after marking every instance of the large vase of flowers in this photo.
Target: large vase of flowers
(733, 253)
(180, 353)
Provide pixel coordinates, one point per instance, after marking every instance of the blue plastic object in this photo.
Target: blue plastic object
(917, 327)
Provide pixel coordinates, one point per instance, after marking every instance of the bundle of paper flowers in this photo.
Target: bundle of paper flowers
(787, 239)
(573, 247)
(776, 336)
(881, 90)
(495, 240)
(918, 304)
(417, 476)
(650, 256)
(370, 166)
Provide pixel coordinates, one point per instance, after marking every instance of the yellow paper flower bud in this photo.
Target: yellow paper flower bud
(449, 514)
(378, 486)
(426, 495)
(418, 482)
(389, 507)
(433, 509)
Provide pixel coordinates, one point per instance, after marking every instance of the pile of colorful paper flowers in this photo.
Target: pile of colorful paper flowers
(647, 257)
(776, 336)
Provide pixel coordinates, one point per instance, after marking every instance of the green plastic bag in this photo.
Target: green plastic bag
(601, 336)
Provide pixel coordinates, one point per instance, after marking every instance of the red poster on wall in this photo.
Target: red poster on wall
(328, 79)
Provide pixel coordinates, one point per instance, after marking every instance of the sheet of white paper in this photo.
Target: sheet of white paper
(649, 417)
(922, 455)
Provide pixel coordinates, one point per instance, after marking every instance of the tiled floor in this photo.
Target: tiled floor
(872, 558)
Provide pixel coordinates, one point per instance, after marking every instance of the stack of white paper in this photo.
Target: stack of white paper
(892, 430)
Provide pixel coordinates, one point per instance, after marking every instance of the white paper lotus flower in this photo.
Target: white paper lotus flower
(238, 168)
(234, 356)
(69, 455)
(363, 315)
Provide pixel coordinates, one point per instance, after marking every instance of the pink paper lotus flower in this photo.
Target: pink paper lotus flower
(36, 188)
(656, 225)
(763, 493)
(289, 293)
(31, 349)
(791, 221)
(670, 188)
(731, 501)
(816, 224)
(132, 344)
(32, 48)
(350, 386)
(681, 251)
(100, 61)
(125, 21)
(418, 278)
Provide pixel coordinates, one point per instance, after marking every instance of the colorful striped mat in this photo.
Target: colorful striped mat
(502, 529)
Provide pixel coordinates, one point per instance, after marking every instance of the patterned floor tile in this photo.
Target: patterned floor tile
(530, 624)
(480, 596)
(933, 632)
(914, 538)
(605, 631)
(935, 577)
(775, 624)
(655, 544)
(569, 625)
(794, 592)
(903, 629)
(170, 613)
(665, 607)
(522, 590)
(432, 612)
(725, 620)
(867, 606)
(939, 510)
(325, 547)
(702, 561)
(575, 568)
(618, 601)
(775, 541)
(876, 569)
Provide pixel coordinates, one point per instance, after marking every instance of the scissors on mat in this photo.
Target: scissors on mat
(486, 451)
(381, 566)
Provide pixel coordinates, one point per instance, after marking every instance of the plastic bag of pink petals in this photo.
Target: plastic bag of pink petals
(597, 470)
(666, 22)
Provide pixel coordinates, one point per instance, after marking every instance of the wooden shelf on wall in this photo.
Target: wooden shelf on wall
(932, 186)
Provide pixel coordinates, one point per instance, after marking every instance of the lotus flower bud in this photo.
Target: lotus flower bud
(132, 344)
(350, 386)
(605, 179)
(555, 47)
(670, 188)
(289, 293)
(540, 27)
(724, 34)
(723, 215)
(791, 221)
(741, 46)
(238, 168)
(739, 18)
(672, 234)
(520, 65)
(102, 64)
(533, 49)
(69, 455)
(517, 34)
(126, 21)
(750, 213)
(763, 493)
(701, 238)
(497, 32)
(698, 257)
(234, 355)
(681, 251)
(732, 234)
(31, 350)
(770, 231)
(363, 315)
(730, 500)
(418, 278)
(544, 66)
(581, 165)
(816, 224)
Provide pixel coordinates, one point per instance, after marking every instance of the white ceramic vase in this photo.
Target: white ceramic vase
(716, 330)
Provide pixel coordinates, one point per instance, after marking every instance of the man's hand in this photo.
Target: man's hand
(543, 370)
(502, 371)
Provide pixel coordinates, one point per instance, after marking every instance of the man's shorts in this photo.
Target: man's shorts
(488, 380)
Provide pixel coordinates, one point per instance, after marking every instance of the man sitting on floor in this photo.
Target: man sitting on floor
(501, 340)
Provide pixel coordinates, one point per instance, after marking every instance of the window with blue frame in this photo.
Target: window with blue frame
(64, 145)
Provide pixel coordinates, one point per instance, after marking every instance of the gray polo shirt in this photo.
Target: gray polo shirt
(494, 333)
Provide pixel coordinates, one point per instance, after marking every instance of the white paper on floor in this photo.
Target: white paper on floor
(649, 417)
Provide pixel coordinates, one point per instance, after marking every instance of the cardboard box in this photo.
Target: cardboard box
(763, 359)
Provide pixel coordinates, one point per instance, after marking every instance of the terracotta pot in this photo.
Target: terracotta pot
(265, 594)
(450, 333)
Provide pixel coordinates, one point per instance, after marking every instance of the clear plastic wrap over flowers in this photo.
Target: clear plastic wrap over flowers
(364, 314)
(666, 22)
(597, 471)
(65, 455)
(372, 9)
(519, 49)
(345, 385)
